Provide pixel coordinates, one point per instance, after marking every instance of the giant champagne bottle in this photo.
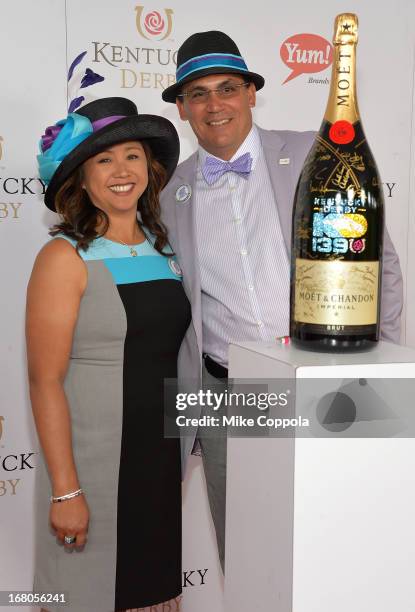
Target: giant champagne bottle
(337, 230)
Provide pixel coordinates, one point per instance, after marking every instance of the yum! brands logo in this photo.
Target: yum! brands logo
(306, 53)
(153, 25)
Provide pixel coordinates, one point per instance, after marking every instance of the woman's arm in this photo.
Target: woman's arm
(55, 289)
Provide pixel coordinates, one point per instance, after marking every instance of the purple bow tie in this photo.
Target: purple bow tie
(214, 168)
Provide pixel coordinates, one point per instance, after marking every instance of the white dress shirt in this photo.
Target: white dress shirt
(244, 267)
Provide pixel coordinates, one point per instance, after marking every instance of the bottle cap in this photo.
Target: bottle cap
(345, 29)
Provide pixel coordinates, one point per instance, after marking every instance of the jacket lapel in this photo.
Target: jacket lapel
(186, 247)
(280, 162)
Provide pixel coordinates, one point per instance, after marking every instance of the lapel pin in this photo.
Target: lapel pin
(183, 193)
(284, 161)
(175, 268)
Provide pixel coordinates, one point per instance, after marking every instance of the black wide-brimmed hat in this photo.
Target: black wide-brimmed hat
(95, 127)
(206, 53)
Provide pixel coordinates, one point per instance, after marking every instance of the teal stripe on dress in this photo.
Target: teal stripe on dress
(142, 269)
(102, 248)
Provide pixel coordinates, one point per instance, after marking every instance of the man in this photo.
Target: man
(230, 225)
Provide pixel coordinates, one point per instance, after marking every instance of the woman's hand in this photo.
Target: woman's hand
(70, 518)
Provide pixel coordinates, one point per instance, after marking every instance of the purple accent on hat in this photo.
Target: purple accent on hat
(90, 78)
(74, 64)
(100, 123)
(48, 138)
(76, 103)
(214, 168)
(52, 131)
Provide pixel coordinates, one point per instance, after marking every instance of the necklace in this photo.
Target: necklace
(133, 252)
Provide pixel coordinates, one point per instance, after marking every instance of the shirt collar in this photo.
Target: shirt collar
(251, 144)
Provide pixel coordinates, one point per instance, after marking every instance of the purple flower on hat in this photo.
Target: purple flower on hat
(59, 140)
(48, 138)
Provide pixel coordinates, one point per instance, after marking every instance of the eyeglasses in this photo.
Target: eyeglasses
(201, 96)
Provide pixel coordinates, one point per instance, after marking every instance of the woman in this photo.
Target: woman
(106, 314)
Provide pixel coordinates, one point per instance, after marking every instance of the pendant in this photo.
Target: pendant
(133, 252)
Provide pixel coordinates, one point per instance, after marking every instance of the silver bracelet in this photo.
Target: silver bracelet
(61, 498)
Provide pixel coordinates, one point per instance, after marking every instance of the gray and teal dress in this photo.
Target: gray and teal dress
(132, 319)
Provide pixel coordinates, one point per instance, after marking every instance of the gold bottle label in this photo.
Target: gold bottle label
(336, 292)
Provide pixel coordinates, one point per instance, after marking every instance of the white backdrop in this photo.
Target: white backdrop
(37, 44)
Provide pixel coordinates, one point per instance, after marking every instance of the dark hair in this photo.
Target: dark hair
(80, 217)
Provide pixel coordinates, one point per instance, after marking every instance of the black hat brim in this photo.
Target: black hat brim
(157, 131)
(170, 93)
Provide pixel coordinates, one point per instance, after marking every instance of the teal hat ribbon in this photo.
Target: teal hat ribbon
(59, 140)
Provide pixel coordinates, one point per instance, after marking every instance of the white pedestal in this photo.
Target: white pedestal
(320, 524)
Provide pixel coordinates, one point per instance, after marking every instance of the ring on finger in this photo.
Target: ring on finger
(70, 539)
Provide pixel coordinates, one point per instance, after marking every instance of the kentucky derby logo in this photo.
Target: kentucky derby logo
(152, 24)
(1, 426)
